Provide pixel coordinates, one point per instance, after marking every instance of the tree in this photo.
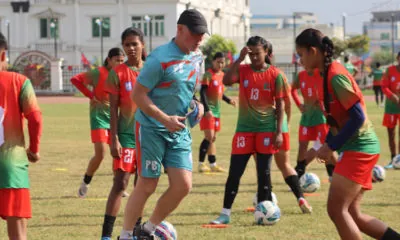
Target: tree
(217, 43)
(383, 57)
(340, 47)
(358, 44)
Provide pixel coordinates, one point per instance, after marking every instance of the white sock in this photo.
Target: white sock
(226, 211)
(213, 164)
(149, 227)
(126, 235)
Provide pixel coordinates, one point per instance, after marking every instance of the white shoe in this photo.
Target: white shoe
(83, 190)
(125, 194)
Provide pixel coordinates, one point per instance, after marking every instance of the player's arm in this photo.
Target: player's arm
(112, 87)
(203, 91)
(280, 95)
(385, 88)
(351, 102)
(288, 108)
(150, 76)
(294, 92)
(232, 75)
(31, 111)
(355, 71)
(79, 82)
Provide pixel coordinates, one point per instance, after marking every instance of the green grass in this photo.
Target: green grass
(59, 214)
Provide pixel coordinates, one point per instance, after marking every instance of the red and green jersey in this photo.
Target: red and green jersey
(310, 86)
(99, 112)
(120, 82)
(215, 90)
(350, 68)
(391, 81)
(17, 99)
(343, 94)
(257, 93)
(377, 76)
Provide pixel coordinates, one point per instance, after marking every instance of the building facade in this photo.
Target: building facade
(72, 27)
(280, 31)
(379, 30)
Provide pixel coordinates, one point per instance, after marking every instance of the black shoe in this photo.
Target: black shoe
(141, 234)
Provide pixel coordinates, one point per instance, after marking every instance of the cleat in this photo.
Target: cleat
(217, 168)
(203, 168)
(304, 206)
(222, 219)
(83, 190)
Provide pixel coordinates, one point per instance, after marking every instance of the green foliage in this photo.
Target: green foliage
(340, 47)
(217, 43)
(383, 57)
(358, 44)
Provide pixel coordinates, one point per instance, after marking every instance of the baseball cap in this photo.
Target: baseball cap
(194, 20)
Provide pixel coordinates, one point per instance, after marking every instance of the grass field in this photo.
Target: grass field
(59, 214)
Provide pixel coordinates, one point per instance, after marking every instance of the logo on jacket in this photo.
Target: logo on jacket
(246, 83)
(128, 86)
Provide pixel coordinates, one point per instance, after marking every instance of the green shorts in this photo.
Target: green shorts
(155, 147)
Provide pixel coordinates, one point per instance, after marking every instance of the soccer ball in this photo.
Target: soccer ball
(396, 162)
(310, 182)
(274, 199)
(378, 174)
(165, 231)
(267, 213)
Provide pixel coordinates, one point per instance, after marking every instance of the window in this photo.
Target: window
(105, 30)
(156, 25)
(385, 36)
(48, 27)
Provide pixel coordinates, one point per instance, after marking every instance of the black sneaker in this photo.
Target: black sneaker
(141, 234)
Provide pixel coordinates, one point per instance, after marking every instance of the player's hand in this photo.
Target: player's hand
(174, 123)
(200, 114)
(324, 153)
(116, 149)
(209, 115)
(243, 53)
(278, 140)
(32, 157)
(301, 108)
(233, 102)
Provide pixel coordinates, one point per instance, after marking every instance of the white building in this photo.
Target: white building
(78, 30)
(278, 29)
(379, 31)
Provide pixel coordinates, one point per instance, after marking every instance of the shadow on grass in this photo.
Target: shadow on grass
(63, 225)
(383, 204)
(53, 198)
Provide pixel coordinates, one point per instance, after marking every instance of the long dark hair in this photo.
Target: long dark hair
(3, 42)
(218, 55)
(257, 40)
(112, 53)
(314, 38)
(135, 32)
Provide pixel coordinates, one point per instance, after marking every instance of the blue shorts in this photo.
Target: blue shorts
(155, 147)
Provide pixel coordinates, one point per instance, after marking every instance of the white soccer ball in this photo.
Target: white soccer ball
(267, 213)
(396, 162)
(274, 199)
(378, 174)
(166, 231)
(310, 182)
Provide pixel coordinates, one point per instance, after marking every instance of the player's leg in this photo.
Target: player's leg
(368, 224)
(382, 95)
(342, 193)
(100, 146)
(123, 168)
(212, 150)
(263, 165)
(205, 144)
(389, 121)
(376, 92)
(17, 228)
(301, 158)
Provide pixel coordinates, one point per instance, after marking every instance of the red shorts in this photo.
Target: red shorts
(210, 124)
(127, 162)
(100, 135)
(15, 202)
(313, 133)
(357, 167)
(249, 143)
(390, 120)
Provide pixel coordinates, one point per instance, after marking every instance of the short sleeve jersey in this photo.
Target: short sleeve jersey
(215, 90)
(343, 94)
(17, 99)
(377, 75)
(310, 87)
(120, 82)
(257, 93)
(171, 76)
(391, 80)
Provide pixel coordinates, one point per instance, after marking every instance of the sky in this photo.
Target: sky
(328, 11)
